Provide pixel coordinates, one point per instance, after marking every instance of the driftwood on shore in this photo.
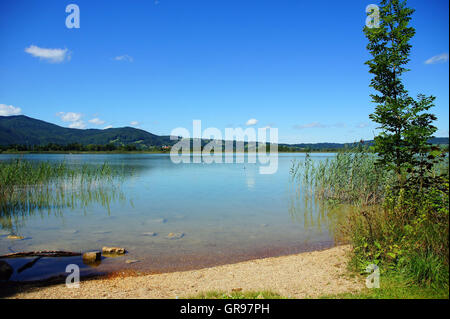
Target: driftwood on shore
(44, 253)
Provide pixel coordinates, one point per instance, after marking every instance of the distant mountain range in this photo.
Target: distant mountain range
(24, 130)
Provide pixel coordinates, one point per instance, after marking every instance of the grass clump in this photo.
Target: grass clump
(395, 286)
(237, 295)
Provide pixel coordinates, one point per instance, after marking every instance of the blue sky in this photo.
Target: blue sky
(158, 65)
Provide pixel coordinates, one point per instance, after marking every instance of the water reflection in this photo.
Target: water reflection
(306, 209)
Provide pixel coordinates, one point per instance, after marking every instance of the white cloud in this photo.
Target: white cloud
(134, 123)
(251, 122)
(7, 110)
(107, 127)
(96, 121)
(78, 124)
(73, 118)
(310, 125)
(124, 57)
(441, 58)
(50, 55)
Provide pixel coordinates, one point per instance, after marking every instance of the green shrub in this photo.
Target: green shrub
(408, 233)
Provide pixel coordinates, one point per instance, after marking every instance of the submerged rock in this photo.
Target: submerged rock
(175, 235)
(151, 234)
(114, 250)
(69, 231)
(92, 257)
(5, 270)
(15, 237)
(158, 220)
(101, 232)
(4, 232)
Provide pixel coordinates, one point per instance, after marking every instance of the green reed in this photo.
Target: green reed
(29, 187)
(349, 178)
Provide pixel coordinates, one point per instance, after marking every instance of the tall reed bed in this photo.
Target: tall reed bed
(328, 190)
(27, 187)
(349, 177)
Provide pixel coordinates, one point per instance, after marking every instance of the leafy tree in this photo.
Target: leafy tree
(404, 122)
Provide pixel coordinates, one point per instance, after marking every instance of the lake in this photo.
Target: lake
(224, 213)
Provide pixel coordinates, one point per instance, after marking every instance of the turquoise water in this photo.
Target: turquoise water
(226, 213)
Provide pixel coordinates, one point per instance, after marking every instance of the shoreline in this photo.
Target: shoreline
(304, 275)
(142, 152)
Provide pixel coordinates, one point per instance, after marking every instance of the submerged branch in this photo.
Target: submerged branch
(43, 253)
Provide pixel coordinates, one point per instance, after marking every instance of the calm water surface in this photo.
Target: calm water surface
(227, 213)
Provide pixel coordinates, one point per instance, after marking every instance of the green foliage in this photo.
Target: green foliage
(405, 125)
(407, 233)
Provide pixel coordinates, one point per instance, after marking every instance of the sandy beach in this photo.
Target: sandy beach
(305, 275)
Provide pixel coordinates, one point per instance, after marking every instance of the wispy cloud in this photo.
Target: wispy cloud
(96, 121)
(134, 123)
(310, 125)
(251, 122)
(73, 118)
(49, 55)
(107, 127)
(124, 57)
(441, 58)
(319, 125)
(8, 110)
(362, 125)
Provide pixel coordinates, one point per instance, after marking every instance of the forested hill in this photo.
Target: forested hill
(23, 130)
(318, 146)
